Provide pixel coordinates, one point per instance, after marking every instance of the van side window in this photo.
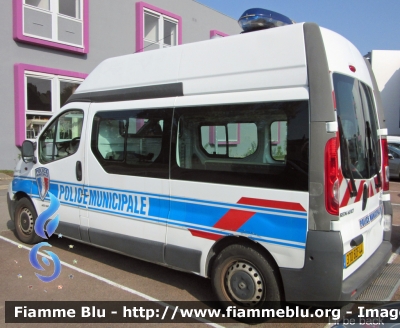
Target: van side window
(62, 137)
(259, 145)
(133, 142)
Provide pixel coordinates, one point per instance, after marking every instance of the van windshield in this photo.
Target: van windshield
(359, 142)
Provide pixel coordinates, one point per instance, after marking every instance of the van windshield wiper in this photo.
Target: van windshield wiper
(345, 154)
(371, 158)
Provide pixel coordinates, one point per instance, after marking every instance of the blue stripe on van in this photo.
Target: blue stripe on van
(281, 227)
(275, 226)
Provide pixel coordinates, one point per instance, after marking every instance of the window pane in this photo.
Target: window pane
(243, 139)
(372, 119)
(69, 8)
(47, 147)
(151, 27)
(144, 146)
(39, 94)
(170, 33)
(133, 142)
(278, 140)
(231, 144)
(352, 121)
(44, 4)
(210, 136)
(150, 46)
(62, 138)
(110, 141)
(66, 90)
(34, 124)
(70, 126)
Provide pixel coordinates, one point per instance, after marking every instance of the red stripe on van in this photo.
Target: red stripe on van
(204, 234)
(233, 220)
(371, 191)
(272, 204)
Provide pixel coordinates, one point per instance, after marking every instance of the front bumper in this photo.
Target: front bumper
(11, 206)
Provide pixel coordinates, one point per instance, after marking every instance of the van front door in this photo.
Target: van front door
(61, 154)
(128, 186)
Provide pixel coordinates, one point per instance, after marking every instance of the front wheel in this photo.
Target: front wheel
(242, 276)
(24, 219)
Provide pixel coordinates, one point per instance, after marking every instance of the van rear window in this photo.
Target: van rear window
(359, 142)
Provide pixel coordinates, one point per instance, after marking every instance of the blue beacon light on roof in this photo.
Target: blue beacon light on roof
(260, 19)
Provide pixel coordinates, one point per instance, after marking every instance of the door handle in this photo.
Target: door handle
(78, 171)
(365, 196)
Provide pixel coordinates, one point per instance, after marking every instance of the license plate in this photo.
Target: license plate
(353, 255)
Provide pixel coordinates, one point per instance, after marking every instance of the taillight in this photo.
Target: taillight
(385, 165)
(332, 177)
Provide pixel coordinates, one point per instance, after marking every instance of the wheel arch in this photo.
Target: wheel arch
(239, 240)
(20, 194)
(15, 198)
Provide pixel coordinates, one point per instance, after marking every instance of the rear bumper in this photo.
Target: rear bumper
(387, 210)
(320, 280)
(364, 276)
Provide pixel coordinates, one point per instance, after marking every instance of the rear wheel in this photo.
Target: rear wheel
(242, 276)
(24, 219)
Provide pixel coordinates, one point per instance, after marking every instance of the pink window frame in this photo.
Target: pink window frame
(216, 32)
(140, 7)
(18, 30)
(19, 94)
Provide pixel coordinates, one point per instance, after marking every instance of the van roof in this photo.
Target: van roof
(267, 59)
(273, 58)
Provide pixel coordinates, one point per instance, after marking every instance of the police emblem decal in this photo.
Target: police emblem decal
(42, 175)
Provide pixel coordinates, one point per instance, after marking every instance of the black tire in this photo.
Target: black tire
(241, 276)
(24, 219)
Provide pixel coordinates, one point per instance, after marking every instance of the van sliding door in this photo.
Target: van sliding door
(239, 170)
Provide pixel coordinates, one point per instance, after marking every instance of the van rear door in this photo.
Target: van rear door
(360, 204)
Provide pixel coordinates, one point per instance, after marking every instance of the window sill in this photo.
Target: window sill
(51, 44)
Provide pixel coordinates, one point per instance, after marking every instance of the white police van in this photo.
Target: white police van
(257, 160)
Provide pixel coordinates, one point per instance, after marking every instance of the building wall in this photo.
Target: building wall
(112, 32)
(386, 67)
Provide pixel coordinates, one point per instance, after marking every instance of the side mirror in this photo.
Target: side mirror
(391, 156)
(27, 152)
